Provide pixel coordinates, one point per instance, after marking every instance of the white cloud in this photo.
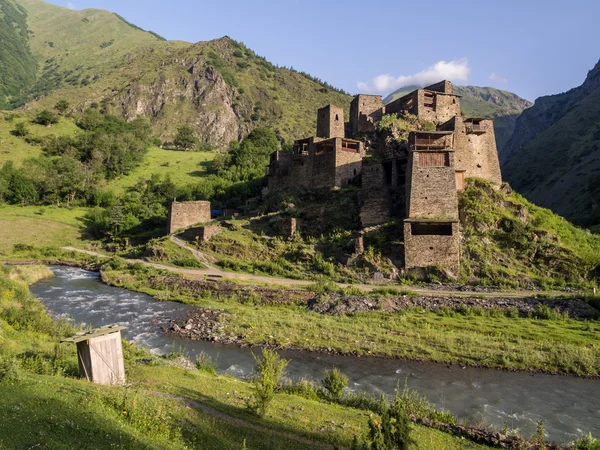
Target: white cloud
(70, 5)
(498, 78)
(455, 70)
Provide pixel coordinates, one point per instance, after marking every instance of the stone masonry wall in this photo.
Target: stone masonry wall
(185, 214)
(432, 250)
(330, 122)
(446, 107)
(348, 164)
(365, 110)
(444, 86)
(476, 154)
(431, 191)
(375, 199)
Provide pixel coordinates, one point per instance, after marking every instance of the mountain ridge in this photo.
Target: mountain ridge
(553, 157)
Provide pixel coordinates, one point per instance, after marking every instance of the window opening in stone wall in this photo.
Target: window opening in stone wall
(434, 159)
(431, 229)
(429, 100)
(337, 117)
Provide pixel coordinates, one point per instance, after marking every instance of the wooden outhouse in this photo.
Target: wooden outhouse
(100, 355)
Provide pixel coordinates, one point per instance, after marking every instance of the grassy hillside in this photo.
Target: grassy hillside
(17, 64)
(164, 406)
(554, 156)
(502, 106)
(220, 88)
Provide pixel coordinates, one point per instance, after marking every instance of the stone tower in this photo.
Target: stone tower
(431, 230)
(330, 122)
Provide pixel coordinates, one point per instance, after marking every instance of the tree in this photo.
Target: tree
(62, 106)
(46, 118)
(185, 139)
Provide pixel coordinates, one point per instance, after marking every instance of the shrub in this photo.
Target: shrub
(269, 368)
(335, 382)
(206, 363)
(21, 129)
(587, 442)
(392, 432)
(10, 371)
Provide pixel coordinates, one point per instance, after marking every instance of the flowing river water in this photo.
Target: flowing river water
(568, 406)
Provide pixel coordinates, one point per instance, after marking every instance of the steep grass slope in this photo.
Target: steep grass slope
(510, 241)
(17, 64)
(220, 88)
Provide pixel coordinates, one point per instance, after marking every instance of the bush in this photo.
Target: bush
(206, 363)
(269, 368)
(21, 130)
(335, 382)
(45, 118)
(391, 433)
(587, 442)
(10, 371)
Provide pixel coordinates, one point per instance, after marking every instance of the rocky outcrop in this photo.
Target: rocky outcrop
(175, 89)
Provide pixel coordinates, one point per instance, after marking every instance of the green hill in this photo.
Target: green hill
(502, 106)
(17, 64)
(553, 157)
(220, 88)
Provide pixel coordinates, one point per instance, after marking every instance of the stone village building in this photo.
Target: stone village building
(417, 182)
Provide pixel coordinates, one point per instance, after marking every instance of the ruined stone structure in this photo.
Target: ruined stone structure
(327, 160)
(417, 181)
(185, 214)
(436, 103)
(475, 144)
(206, 233)
(287, 227)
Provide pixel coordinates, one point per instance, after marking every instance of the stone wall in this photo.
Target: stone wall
(365, 111)
(186, 214)
(431, 191)
(424, 250)
(330, 122)
(209, 231)
(444, 86)
(443, 106)
(375, 198)
(475, 148)
(287, 227)
(348, 164)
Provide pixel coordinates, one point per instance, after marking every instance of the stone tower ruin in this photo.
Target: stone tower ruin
(416, 181)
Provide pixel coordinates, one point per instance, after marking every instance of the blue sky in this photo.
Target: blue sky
(529, 47)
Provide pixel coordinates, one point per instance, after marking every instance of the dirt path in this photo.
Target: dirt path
(212, 271)
(241, 422)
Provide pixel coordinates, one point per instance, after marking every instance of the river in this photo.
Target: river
(568, 406)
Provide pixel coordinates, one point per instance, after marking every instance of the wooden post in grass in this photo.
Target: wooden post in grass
(100, 355)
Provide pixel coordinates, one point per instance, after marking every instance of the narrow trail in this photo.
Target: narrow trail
(209, 410)
(212, 271)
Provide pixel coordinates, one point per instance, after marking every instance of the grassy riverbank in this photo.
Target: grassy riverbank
(548, 341)
(162, 407)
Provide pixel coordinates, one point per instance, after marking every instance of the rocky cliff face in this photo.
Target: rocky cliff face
(553, 157)
(186, 92)
(545, 112)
